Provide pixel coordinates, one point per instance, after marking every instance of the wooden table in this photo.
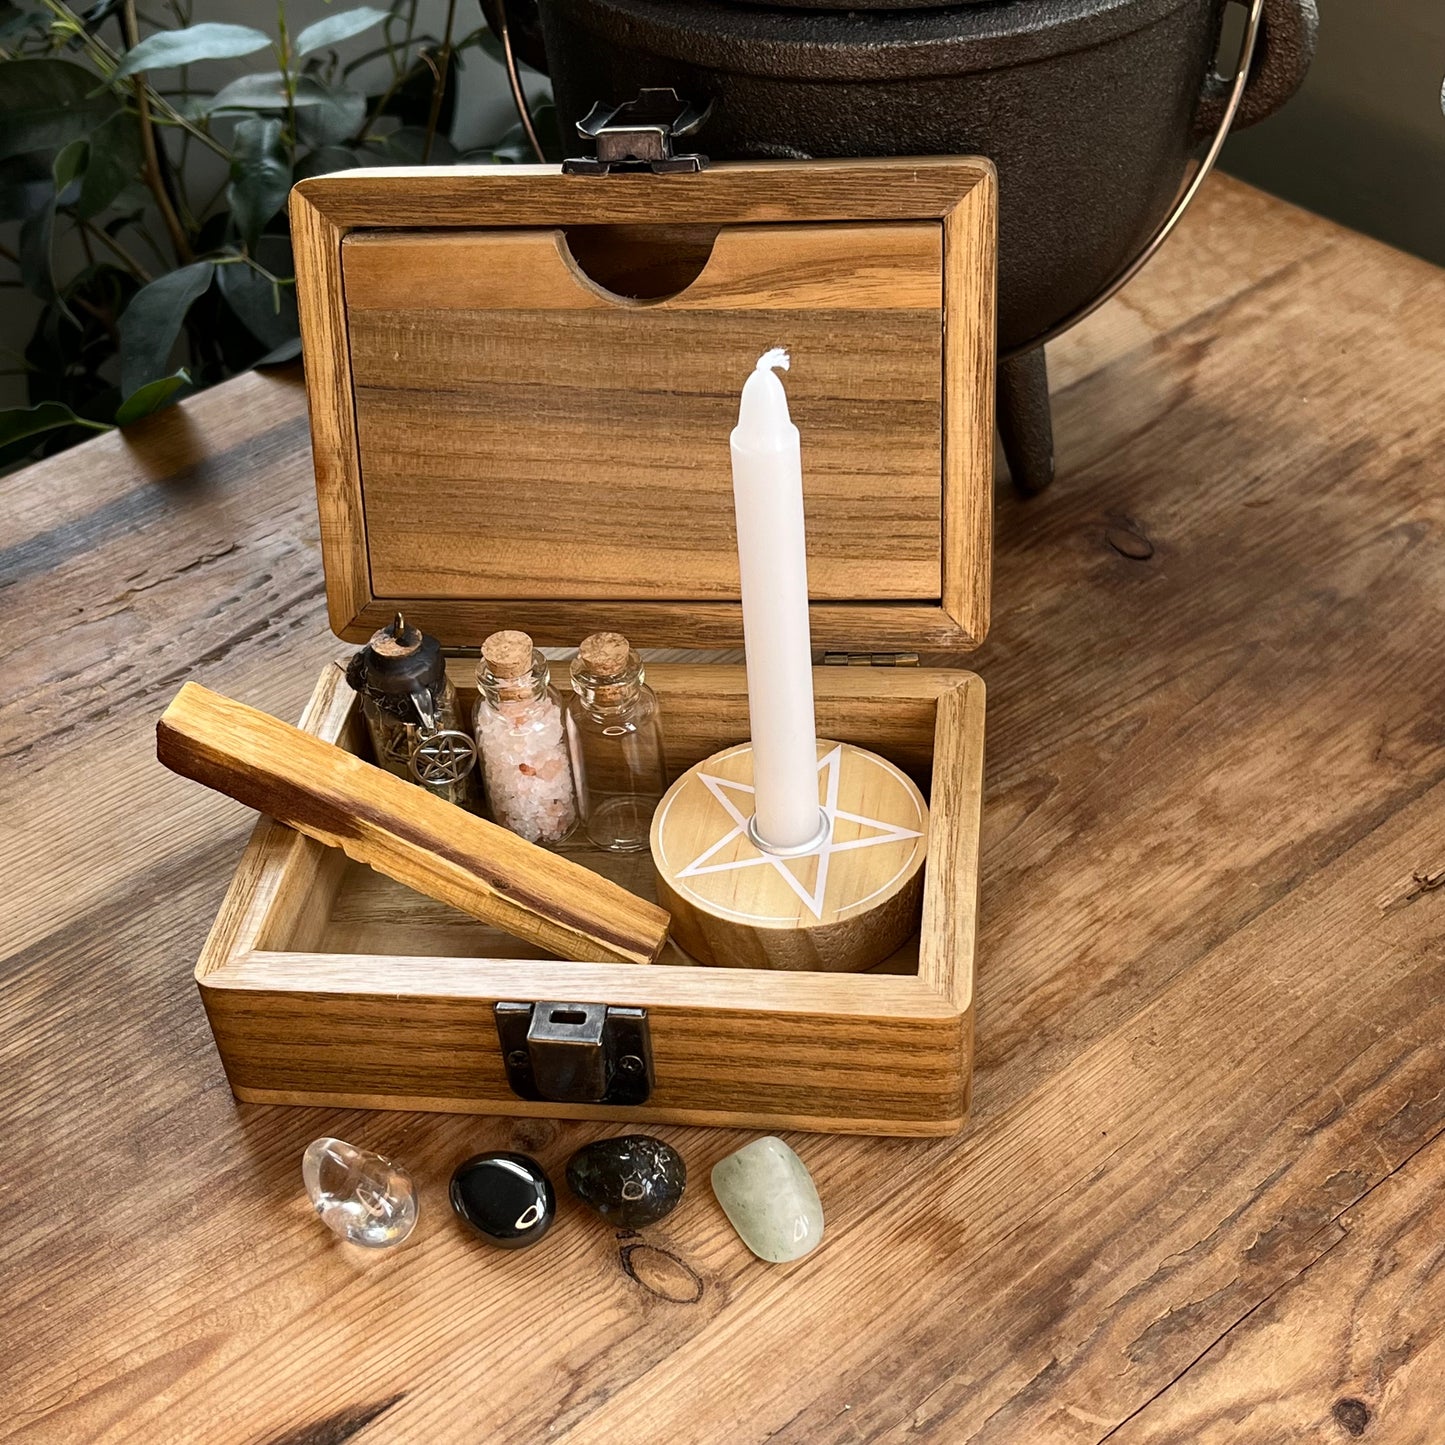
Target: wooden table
(1202, 1196)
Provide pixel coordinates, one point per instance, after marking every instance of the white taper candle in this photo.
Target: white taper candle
(773, 561)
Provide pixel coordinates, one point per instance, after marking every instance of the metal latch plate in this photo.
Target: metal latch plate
(576, 1053)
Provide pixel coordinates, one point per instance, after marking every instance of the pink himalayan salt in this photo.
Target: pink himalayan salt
(526, 770)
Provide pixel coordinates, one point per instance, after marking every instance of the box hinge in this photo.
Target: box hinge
(576, 1053)
(870, 659)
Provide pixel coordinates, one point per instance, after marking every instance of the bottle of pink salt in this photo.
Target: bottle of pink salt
(522, 741)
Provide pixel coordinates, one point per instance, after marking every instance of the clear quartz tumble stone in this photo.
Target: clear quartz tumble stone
(359, 1195)
(770, 1199)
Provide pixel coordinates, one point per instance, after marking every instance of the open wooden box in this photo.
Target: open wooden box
(503, 440)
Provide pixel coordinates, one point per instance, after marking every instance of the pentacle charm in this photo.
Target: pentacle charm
(359, 1195)
(442, 762)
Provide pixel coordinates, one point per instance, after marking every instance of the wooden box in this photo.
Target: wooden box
(521, 387)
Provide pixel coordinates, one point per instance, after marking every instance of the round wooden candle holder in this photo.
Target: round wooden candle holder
(842, 905)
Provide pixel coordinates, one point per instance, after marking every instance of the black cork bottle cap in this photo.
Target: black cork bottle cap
(398, 661)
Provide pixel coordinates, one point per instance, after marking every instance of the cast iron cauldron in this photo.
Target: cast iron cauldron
(1091, 110)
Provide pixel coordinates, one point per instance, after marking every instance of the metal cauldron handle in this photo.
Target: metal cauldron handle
(1288, 32)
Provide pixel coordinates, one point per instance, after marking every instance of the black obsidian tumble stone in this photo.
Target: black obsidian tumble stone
(630, 1181)
(507, 1198)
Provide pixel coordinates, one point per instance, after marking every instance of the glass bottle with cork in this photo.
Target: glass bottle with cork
(614, 734)
(520, 735)
(411, 711)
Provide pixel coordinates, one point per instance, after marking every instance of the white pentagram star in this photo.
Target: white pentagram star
(813, 901)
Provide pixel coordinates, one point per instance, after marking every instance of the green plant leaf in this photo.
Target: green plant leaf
(268, 312)
(24, 184)
(265, 90)
(70, 358)
(115, 162)
(515, 148)
(335, 119)
(287, 351)
(209, 41)
(152, 397)
(37, 235)
(407, 146)
(46, 104)
(325, 159)
(37, 232)
(260, 175)
(69, 165)
(488, 44)
(19, 422)
(15, 20)
(195, 106)
(336, 28)
(150, 324)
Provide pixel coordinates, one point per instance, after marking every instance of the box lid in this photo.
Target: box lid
(522, 382)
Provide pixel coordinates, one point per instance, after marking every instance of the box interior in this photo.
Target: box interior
(494, 383)
(345, 908)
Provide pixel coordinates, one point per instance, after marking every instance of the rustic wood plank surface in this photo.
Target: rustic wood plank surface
(1199, 1196)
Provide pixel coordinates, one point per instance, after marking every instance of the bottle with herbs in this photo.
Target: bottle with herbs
(411, 711)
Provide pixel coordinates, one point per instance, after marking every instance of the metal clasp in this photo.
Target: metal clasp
(576, 1053)
(638, 135)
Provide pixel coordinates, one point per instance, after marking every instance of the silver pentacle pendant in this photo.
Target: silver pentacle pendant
(443, 759)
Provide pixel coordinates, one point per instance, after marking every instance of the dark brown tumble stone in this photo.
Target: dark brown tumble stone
(631, 1181)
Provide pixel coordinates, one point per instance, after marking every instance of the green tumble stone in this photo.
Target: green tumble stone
(770, 1199)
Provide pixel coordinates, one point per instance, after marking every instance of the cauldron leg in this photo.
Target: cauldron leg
(1025, 423)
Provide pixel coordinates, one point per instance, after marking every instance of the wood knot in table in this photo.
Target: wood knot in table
(1352, 1414)
(1128, 540)
(659, 1271)
(531, 1135)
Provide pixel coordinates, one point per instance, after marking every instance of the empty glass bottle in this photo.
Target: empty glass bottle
(614, 733)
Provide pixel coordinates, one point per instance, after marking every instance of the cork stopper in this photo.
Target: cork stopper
(398, 639)
(399, 662)
(606, 671)
(604, 655)
(508, 654)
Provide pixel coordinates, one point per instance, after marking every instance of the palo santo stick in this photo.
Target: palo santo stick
(403, 831)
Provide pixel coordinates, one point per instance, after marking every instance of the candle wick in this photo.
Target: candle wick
(775, 360)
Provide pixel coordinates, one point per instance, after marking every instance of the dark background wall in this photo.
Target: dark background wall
(1364, 141)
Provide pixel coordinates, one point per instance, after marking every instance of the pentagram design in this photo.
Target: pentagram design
(443, 758)
(400, 745)
(751, 856)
